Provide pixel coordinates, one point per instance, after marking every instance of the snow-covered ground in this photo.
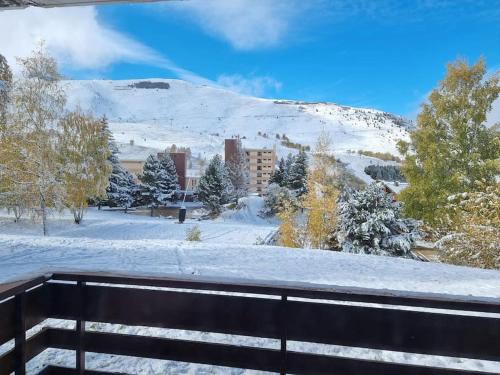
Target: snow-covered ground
(114, 241)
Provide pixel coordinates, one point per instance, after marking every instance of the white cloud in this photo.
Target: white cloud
(246, 24)
(80, 41)
(73, 35)
(254, 86)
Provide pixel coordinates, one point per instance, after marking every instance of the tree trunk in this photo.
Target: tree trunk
(152, 209)
(44, 216)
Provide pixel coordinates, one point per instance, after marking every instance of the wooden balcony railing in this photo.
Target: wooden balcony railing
(285, 312)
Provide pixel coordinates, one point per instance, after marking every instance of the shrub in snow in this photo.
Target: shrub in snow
(370, 222)
(215, 188)
(193, 233)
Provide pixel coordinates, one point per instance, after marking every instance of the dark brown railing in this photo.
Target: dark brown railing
(285, 312)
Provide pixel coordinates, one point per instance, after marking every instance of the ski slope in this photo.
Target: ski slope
(200, 117)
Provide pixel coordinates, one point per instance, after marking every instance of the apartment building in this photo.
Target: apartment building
(261, 163)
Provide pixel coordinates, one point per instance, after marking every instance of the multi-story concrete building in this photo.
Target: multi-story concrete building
(261, 163)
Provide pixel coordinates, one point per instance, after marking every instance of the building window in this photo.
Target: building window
(259, 168)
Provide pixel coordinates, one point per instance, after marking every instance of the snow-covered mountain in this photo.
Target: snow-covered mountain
(157, 113)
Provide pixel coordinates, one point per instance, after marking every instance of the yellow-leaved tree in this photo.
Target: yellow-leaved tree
(320, 200)
(83, 152)
(289, 232)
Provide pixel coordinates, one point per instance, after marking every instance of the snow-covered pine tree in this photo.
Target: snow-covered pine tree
(159, 180)
(239, 171)
(277, 199)
(297, 177)
(122, 190)
(290, 159)
(171, 181)
(278, 175)
(215, 188)
(369, 222)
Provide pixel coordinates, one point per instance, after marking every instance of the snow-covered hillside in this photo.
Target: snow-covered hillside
(157, 113)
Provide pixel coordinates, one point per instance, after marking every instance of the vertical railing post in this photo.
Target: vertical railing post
(284, 333)
(80, 329)
(20, 333)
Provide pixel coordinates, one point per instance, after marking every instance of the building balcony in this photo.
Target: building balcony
(410, 323)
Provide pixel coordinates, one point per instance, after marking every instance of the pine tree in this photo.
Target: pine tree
(278, 175)
(297, 177)
(215, 188)
(277, 199)
(29, 153)
(451, 147)
(369, 222)
(122, 188)
(159, 180)
(83, 152)
(239, 171)
(290, 159)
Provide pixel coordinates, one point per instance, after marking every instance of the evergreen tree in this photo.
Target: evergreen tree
(215, 187)
(297, 177)
(290, 159)
(451, 148)
(239, 171)
(278, 175)
(83, 152)
(369, 222)
(122, 189)
(277, 199)
(159, 180)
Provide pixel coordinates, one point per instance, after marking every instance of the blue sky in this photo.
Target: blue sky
(383, 54)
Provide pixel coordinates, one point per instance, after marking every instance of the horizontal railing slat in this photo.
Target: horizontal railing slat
(237, 356)
(314, 364)
(59, 370)
(170, 349)
(168, 309)
(294, 289)
(396, 330)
